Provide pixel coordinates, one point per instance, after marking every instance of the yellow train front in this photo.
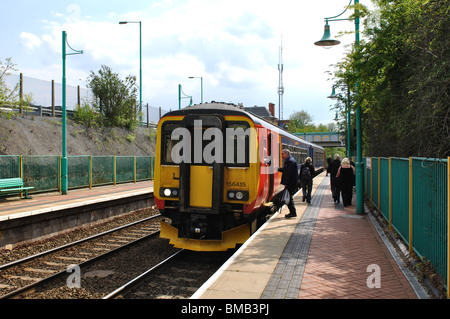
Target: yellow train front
(215, 175)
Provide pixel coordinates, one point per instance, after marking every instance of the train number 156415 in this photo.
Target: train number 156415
(237, 184)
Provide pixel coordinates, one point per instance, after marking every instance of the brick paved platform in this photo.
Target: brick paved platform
(327, 252)
(345, 251)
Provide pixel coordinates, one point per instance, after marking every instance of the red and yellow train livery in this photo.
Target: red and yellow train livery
(216, 174)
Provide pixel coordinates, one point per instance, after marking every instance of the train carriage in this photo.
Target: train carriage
(216, 174)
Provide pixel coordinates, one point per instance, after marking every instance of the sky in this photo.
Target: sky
(233, 44)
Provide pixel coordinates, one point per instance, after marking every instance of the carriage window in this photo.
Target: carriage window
(269, 147)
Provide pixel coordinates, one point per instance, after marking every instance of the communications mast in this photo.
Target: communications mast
(280, 85)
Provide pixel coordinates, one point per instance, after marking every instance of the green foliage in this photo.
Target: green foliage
(131, 137)
(117, 97)
(11, 97)
(8, 97)
(301, 122)
(151, 134)
(331, 151)
(87, 115)
(402, 70)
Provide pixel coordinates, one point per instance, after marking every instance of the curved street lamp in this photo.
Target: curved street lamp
(140, 67)
(182, 95)
(327, 41)
(201, 83)
(64, 160)
(335, 96)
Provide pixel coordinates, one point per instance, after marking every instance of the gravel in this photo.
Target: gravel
(22, 251)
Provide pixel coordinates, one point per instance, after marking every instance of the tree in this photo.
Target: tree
(117, 97)
(10, 97)
(301, 122)
(87, 115)
(298, 121)
(403, 72)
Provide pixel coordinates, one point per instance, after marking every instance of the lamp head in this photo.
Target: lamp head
(326, 40)
(333, 94)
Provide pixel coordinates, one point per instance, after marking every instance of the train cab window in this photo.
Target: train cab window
(238, 154)
(167, 143)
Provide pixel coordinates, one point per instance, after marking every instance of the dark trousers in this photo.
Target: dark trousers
(335, 191)
(291, 205)
(347, 194)
(307, 189)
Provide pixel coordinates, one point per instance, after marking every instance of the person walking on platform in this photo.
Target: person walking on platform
(329, 160)
(346, 176)
(333, 169)
(289, 179)
(307, 173)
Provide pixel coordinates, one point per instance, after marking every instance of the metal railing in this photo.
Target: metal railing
(412, 194)
(44, 172)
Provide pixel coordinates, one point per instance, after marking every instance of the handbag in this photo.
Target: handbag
(285, 197)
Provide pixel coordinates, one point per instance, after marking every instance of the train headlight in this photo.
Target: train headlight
(237, 195)
(168, 192)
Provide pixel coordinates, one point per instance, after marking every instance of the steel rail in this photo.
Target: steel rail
(19, 261)
(131, 283)
(23, 289)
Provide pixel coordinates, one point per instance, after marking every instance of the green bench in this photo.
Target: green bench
(10, 186)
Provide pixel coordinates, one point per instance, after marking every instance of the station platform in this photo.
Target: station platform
(26, 220)
(14, 207)
(326, 252)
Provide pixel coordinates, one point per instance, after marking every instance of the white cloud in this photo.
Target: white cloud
(30, 40)
(233, 44)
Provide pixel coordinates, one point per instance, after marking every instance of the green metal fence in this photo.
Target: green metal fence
(413, 195)
(43, 172)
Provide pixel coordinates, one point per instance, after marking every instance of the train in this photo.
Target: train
(216, 174)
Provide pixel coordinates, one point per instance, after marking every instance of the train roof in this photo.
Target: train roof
(213, 107)
(232, 109)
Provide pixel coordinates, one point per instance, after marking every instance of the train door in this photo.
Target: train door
(201, 180)
(264, 177)
(269, 141)
(271, 154)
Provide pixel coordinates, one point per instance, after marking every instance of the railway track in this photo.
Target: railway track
(22, 276)
(177, 277)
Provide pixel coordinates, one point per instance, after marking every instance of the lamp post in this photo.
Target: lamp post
(64, 161)
(201, 79)
(348, 117)
(180, 92)
(327, 41)
(140, 67)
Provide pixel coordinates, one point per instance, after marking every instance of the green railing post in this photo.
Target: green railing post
(410, 207)
(379, 184)
(390, 194)
(448, 226)
(371, 179)
(134, 168)
(114, 170)
(90, 172)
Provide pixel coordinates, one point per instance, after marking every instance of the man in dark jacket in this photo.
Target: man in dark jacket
(289, 179)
